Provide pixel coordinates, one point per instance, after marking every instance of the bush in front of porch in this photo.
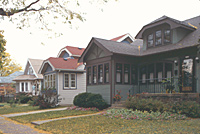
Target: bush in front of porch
(188, 108)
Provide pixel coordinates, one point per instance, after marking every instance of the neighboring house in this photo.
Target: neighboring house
(126, 38)
(7, 84)
(65, 74)
(163, 49)
(31, 80)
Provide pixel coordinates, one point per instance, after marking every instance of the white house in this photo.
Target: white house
(31, 80)
(65, 74)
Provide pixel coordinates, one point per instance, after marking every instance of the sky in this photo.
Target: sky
(117, 18)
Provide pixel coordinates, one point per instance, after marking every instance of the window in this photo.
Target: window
(133, 74)
(151, 73)
(106, 73)
(158, 38)
(168, 70)
(167, 36)
(118, 73)
(126, 73)
(100, 73)
(73, 81)
(159, 71)
(143, 74)
(94, 74)
(26, 86)
(69, 80)
(89, 76)
(150, 40)
(54, 81)
(22, 86)
(66, 84)
(50, 81)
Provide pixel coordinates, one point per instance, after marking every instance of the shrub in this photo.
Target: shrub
(23, 97)
(189, 108)
(139, 115)
(87, 100)
(48, 99)
(144, 104)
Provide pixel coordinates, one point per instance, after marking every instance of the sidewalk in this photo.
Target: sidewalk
(32, 112)
(69, 117)
(11, 127)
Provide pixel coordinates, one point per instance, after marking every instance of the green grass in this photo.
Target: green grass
(49, 115)
(101, 124)
(6, 109)
(17, 109)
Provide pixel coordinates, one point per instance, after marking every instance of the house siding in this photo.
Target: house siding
(104, 90)
(67, 95)
(125, 89)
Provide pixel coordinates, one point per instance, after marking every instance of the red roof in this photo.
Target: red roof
(75, 50)
(61, 63)
(117, 38)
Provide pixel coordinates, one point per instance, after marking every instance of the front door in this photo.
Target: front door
(187, 71)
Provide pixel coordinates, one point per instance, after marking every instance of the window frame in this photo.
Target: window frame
(99, 76)
(106, 70)
(89, 75)
(94, 75)
(70, 81)
(128, 72)
(119, 71)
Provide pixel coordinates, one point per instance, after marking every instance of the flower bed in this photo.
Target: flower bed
(139, 115)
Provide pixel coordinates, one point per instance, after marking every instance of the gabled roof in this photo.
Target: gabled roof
(123, 37)
(62, 64)
(9, 78)
(25, 77)
(73, 51)
(36, 64)
(165, 19)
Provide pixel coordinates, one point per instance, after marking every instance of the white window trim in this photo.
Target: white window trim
(49, 80)
(70, 80)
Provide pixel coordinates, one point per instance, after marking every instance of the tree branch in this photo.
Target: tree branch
(10, 13)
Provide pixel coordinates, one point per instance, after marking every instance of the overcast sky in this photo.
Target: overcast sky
(117, 18)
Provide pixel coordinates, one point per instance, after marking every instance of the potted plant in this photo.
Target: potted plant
(117, 97)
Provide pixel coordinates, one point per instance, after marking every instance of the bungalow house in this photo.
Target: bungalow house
(31, 80)
(165, 49)
(65, 74)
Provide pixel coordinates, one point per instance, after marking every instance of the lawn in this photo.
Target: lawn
(103, 124)
(6, 109)
(49, 115)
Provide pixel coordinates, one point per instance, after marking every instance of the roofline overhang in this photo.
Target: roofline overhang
(81, 59)
(43, 64)
(69, 70)
(173, 25)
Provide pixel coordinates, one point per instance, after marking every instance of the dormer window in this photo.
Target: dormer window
(159, 37)
(150, 40)
(167, 36)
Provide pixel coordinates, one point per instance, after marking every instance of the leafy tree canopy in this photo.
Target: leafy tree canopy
(44, 12)
(9, 66)
(2, 47)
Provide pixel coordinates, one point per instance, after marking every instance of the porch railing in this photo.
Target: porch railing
(157, 85)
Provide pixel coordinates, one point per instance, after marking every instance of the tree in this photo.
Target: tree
(43, 11)
(2, 48)
(9, 66)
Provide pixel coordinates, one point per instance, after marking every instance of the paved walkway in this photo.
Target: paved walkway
(32, 112)
(70, 117)
(11, 127)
